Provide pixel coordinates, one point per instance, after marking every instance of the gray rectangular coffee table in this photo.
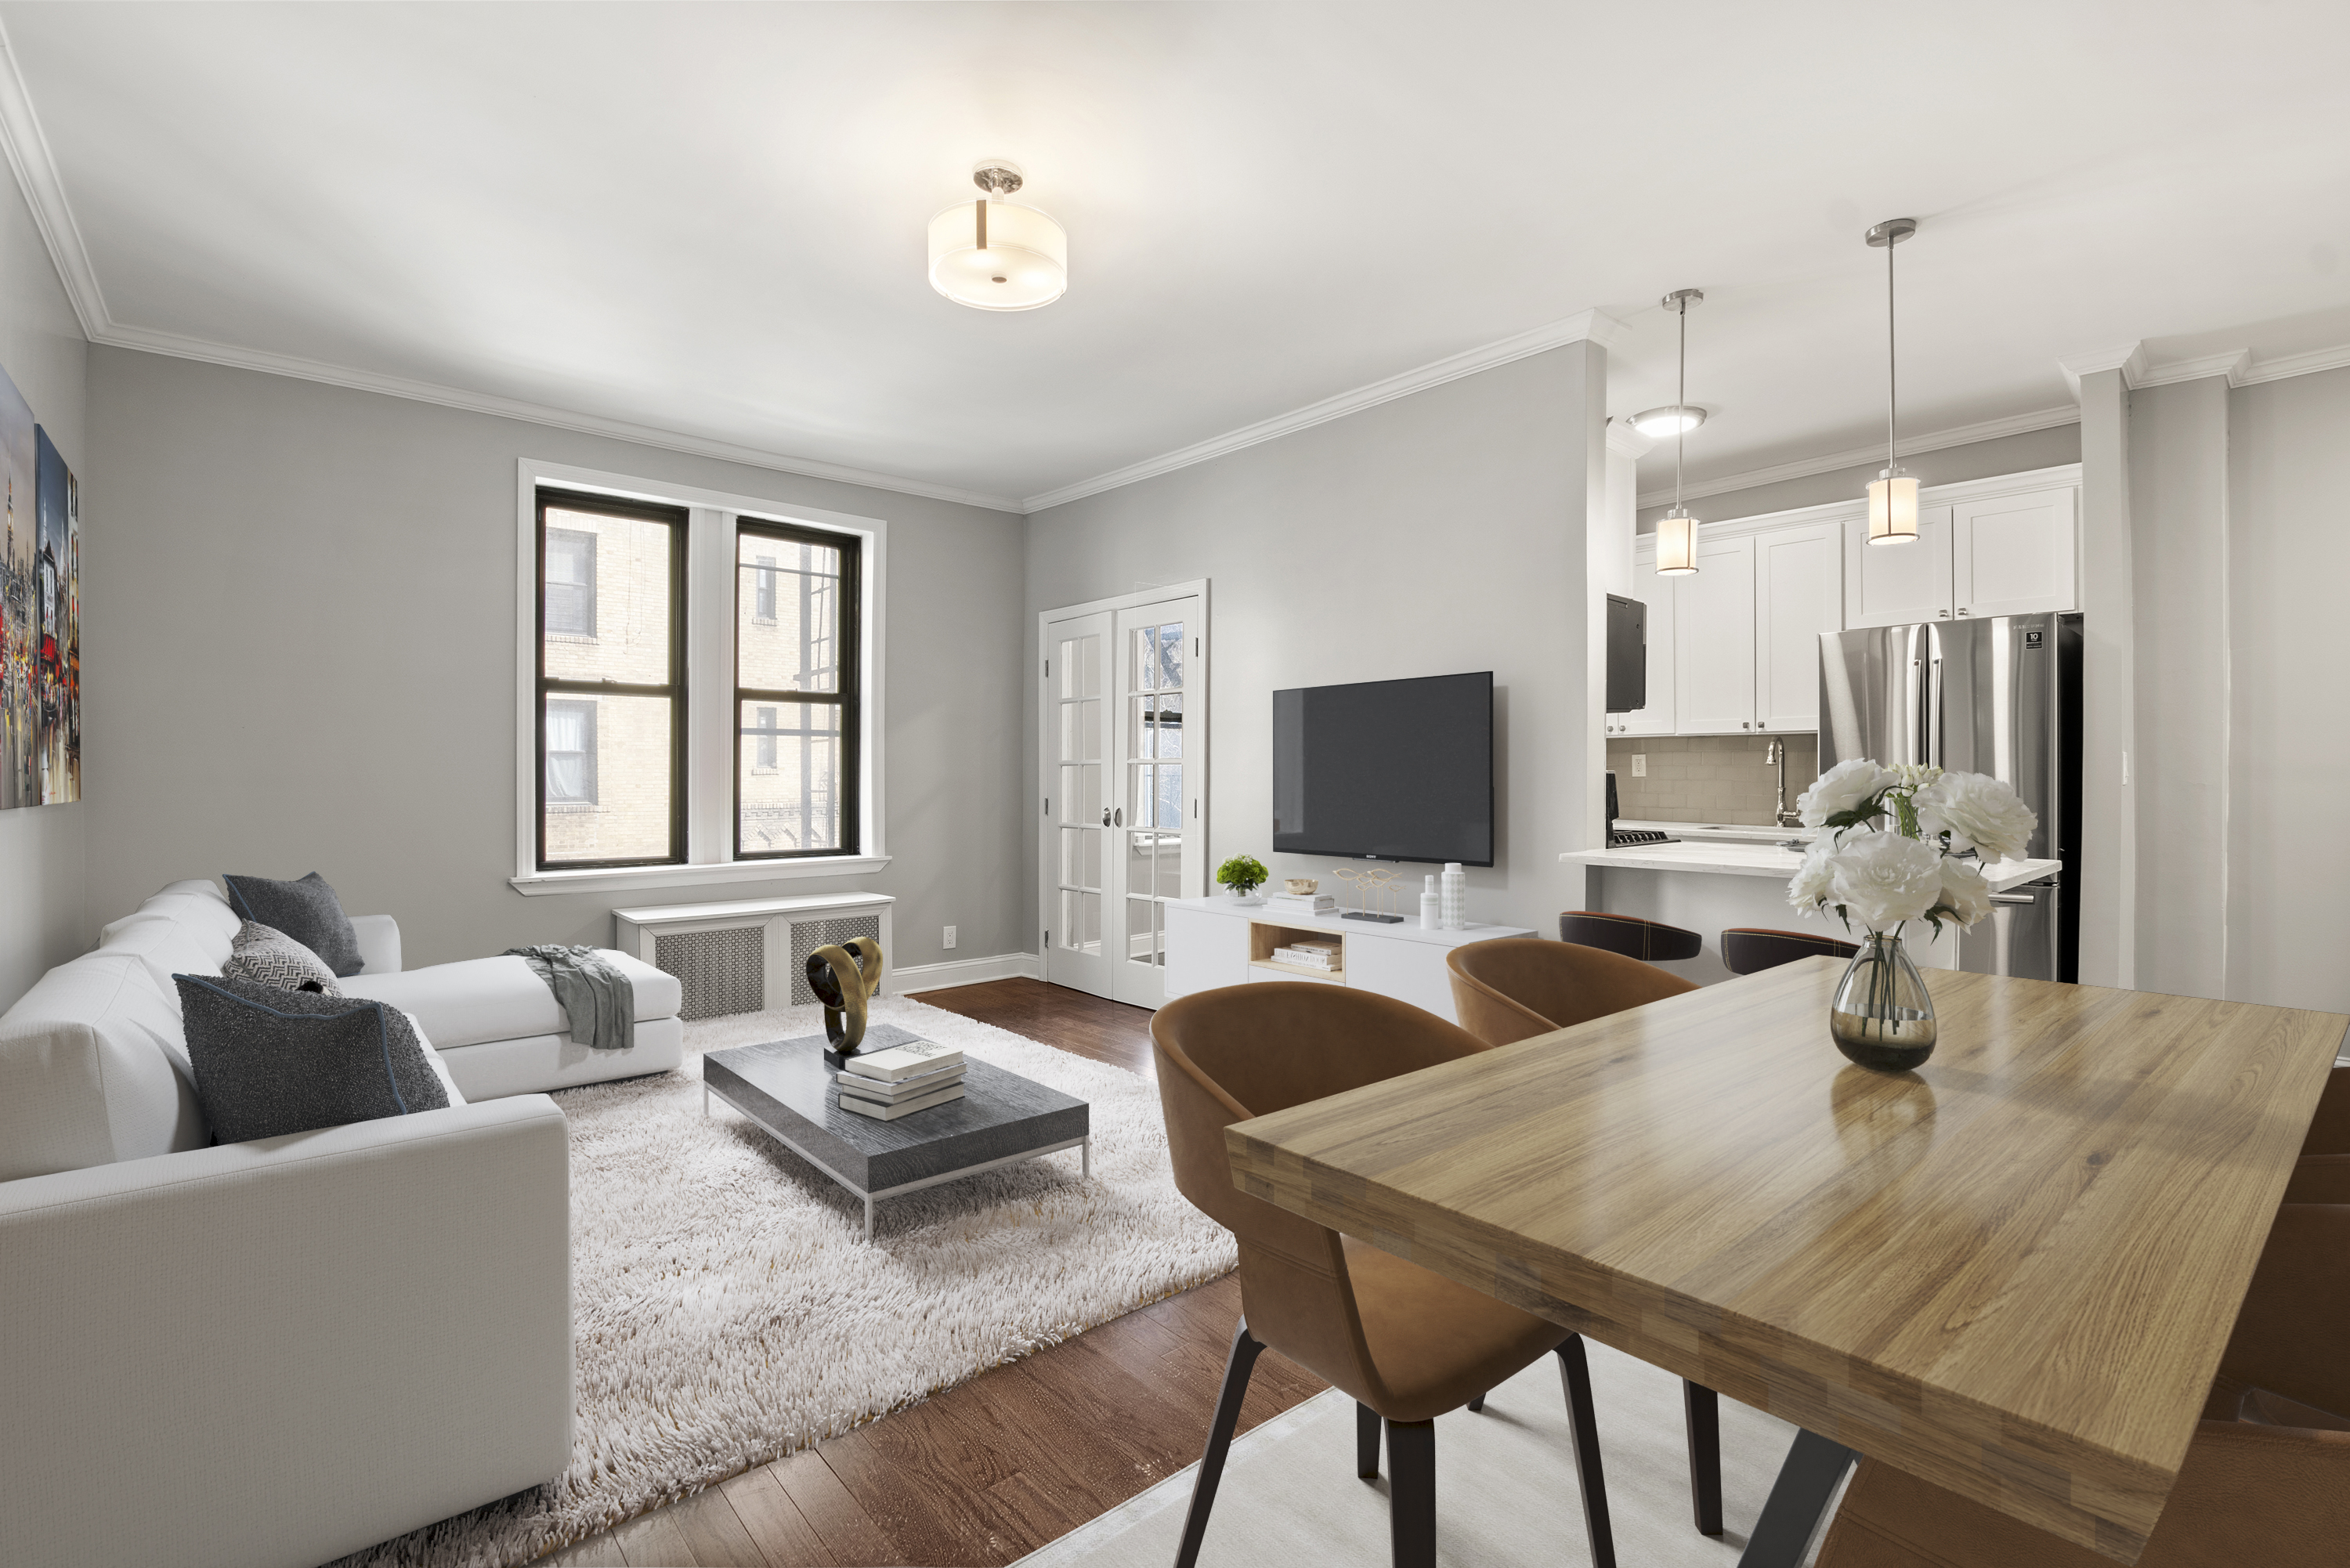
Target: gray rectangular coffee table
(787, 1088)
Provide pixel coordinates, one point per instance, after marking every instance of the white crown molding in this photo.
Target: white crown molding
(147, 340)
(1959, 435)
(1625, 441)
(2308, 363)
(2129, 359)
(2232, 364)
(36, 168)
(1588, 326)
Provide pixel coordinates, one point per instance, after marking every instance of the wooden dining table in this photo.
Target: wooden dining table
(2011, 1272)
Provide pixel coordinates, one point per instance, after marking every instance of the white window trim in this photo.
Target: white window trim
(710, 686)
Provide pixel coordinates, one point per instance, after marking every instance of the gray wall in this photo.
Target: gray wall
(44, 919)
(2289, 529)
(304, 660)
(1440, 533)
(1976, 460)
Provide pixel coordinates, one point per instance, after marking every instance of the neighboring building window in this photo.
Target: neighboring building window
(796, 691)
(570, 582)
(570, 751)
(611, 657)
(763, 730)
(763, 583)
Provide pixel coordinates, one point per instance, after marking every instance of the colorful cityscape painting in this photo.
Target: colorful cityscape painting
(20, 697)
(58, 638)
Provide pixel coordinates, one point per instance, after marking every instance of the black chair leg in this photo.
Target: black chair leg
(1701, 1411)
(1243, 1361)
(1411, 1492)
(1574, 1371)
(1367, 1441)
(1477, 1405)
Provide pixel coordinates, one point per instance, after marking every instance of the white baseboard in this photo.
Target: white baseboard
(962, 972)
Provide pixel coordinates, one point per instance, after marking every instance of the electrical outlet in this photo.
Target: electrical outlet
(946, 941)
(1639, 764)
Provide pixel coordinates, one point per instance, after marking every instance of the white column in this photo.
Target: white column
(2108, 863)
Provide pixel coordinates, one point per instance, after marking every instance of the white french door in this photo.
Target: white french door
(1125, 809)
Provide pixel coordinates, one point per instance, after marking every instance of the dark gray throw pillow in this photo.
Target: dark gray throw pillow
(270, 1062)
(306, 910)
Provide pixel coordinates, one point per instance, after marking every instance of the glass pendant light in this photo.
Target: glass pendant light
(1893, 498)
(995, 254)
(1677, 530)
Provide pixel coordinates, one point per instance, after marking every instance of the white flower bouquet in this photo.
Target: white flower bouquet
(1894, 845)
(1898, 845)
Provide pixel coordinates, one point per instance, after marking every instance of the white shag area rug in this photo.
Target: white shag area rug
(726, 1311)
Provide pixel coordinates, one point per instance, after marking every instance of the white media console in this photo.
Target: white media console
(1214, 942)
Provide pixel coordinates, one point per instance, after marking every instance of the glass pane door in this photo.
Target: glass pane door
(1080, 874)
(1158, 801)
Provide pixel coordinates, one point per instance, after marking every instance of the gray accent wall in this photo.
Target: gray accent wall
(304, 660)
(2049, 448)
(43, 918)
(1437, 533)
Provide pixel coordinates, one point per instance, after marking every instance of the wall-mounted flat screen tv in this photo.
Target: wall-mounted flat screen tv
(1386, 770)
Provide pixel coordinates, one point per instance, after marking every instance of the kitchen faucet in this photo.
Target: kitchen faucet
(1777, 754)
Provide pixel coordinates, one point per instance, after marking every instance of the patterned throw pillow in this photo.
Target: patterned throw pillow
(268, 955)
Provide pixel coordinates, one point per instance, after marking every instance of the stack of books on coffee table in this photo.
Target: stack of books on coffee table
(901, 1078)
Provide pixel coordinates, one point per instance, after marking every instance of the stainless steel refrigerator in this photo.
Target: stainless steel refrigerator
(1998, 696)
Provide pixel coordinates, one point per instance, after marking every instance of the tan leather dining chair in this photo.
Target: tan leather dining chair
(1406, 1344)
(1508, 989)
(2265, 1485)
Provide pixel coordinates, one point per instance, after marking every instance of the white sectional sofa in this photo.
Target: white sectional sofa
(278, 1351)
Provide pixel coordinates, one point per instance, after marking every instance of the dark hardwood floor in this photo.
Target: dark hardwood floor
(1020, 1455)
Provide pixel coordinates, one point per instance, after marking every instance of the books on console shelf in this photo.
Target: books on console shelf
(1309, 955)
(903, 1089)
(881, 1112)
(904, 1059)
(1302, 903)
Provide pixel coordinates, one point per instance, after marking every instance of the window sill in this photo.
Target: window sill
(614, 879)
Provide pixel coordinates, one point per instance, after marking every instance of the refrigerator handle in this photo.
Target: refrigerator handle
(1931, 752)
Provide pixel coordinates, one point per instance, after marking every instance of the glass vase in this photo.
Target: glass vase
(1882, 1016)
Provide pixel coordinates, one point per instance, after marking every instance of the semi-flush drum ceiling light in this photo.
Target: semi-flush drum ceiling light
(1676, 420)
(1893, 497)
(1677, 530)
(993, 254)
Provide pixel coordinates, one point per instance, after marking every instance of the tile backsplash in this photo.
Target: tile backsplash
(1707, 778)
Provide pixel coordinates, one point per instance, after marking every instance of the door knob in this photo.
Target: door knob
(1121, 816)
(1105, 817)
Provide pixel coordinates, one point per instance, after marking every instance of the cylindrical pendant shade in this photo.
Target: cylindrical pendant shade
(1893, 510)
(1022, 263)
(1675, 544)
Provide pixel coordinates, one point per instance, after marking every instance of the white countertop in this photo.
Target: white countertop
(1730, 858)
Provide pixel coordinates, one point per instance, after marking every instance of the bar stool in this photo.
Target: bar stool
(1650, 941)
(1746, 949)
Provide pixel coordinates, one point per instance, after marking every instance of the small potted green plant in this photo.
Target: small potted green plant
(1243, 874)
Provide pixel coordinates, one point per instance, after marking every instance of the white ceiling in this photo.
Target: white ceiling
(709, 220)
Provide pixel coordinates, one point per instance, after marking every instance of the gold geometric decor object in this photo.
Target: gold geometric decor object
(844, 978)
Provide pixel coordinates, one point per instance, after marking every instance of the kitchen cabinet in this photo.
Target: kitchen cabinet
(1894, 585)
(2008, 555)
(2014, 555)
(1713, 640)
(1798, 594)
(1657, 593)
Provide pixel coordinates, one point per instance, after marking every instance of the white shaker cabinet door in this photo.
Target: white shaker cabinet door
(2014, 556)
(1204, 950)
(1657, 593)
(1798, 594)
(1894, 585)
(1713, 641)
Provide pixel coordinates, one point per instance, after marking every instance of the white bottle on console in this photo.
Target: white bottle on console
(1430, 909)
(1456, 896)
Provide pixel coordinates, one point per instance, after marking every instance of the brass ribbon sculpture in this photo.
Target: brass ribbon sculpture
(844, 978)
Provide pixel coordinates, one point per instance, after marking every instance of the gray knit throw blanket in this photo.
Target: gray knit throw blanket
(599, 999)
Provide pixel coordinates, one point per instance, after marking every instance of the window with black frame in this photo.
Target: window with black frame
(612, 682)
(796, 691)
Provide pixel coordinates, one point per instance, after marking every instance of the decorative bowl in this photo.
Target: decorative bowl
(1302, 886)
